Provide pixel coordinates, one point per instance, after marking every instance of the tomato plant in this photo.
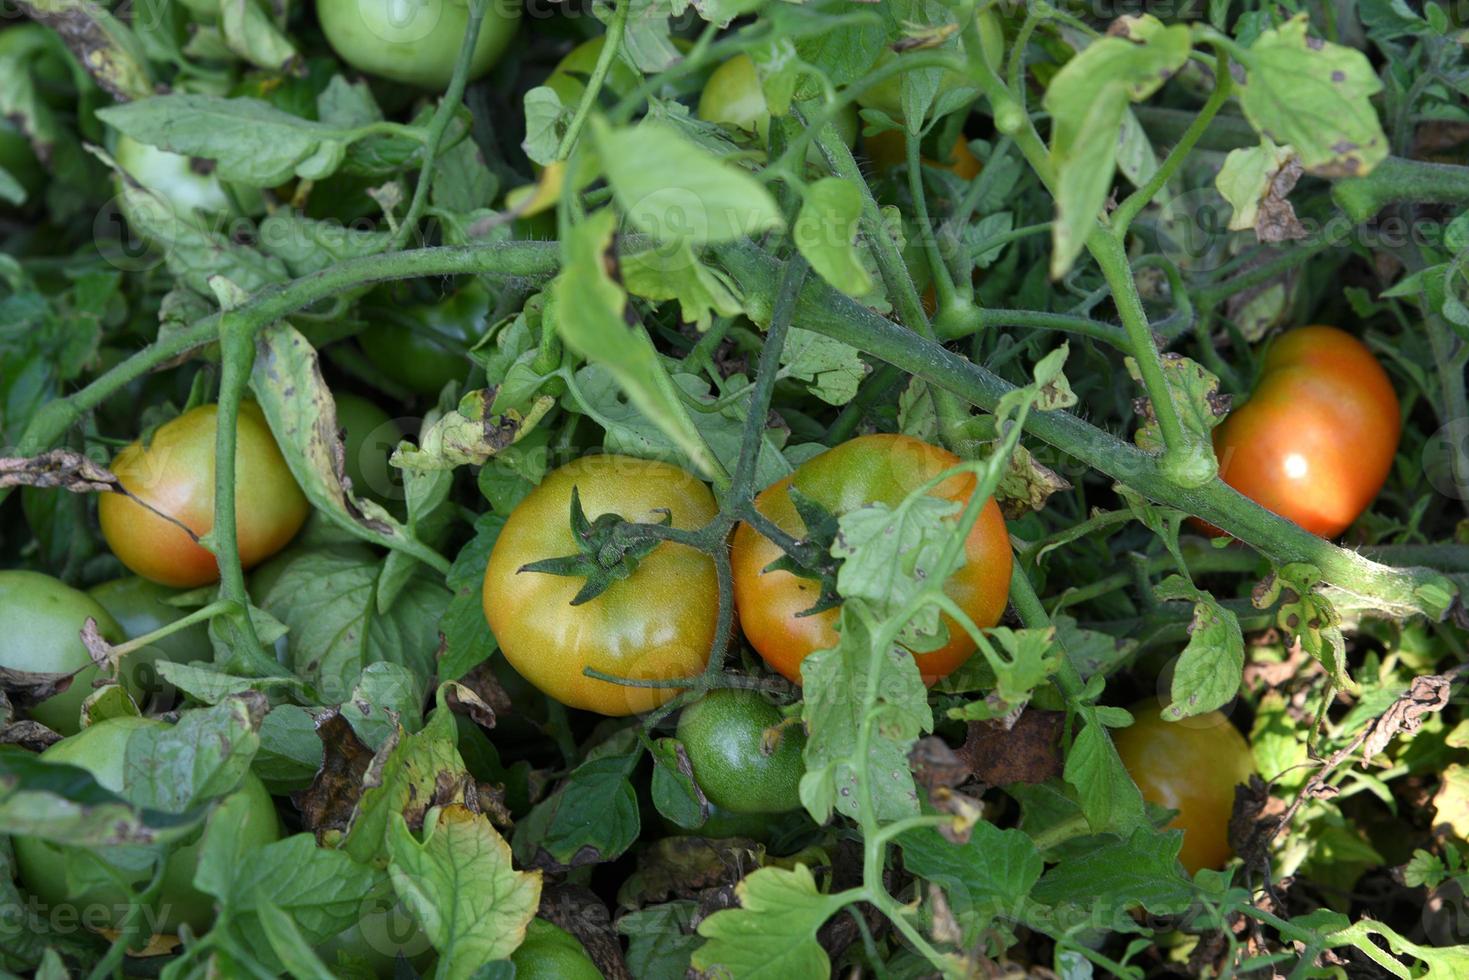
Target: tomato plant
(1191, 766)
(619, 631)
(246, 815)
(1316, 438)
(415, 42)
(174, 476)
(41, 620)
(751, 536)
(745, 757)
(774, 605)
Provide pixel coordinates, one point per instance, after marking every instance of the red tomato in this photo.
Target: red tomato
(174, 474)
(869, 469)
(1316, 440)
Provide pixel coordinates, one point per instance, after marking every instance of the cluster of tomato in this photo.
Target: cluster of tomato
(1314, 443)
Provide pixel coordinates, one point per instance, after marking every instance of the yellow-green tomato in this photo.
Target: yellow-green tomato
(415, 41)
(247, 816)
(41, 620)
(568, 78)
(551, 953)
(657, 623)
(733, 96)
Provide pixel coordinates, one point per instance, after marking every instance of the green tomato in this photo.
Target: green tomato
(247, 816)
(421, 347)
(187, 185)
(41, 620)
(568, 78)
(742, 761)
(551, 953)
(368, 436)
(141, 606)
(415, 41)
(374, 943)
(733, 96)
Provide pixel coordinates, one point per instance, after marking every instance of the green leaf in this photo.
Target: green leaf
(831, 370)
(1088, 100)
(825, 232)
(290, 947)
(205, 756)
(675, 272)
(460, 885)
(470, 434)
(675, 191)
(1196, 398)
(251, 142)
(590, 314)
(1316, 97)
(544, 115)
(985, 878)
(1208, 672)
(835, 683)
(889, 556)
(592, 817)
(660, 940)
(115, 57)
(675, 793)
(318, 891)
(1255, 182)
(1109, 798)
(772, 935)
(1141, 869)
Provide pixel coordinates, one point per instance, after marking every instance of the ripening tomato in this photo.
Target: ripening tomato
(656, 624)
(869, 469)
(733, 96)
(41, 620)
(174, 474)
(247, 815)
(889, 149)
(1316, 440)
(1191, 766)
(415, 41)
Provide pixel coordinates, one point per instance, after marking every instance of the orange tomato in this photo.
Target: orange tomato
(869, 469)
(174, 474)
(1316, 439)
(1191, 766)
(888, 149)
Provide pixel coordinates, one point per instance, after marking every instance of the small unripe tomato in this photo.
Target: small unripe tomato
(41, 620)
(889, 149)
(368, 439)
(247, 815)
(745, 757)
(421, 345)
(551, 953)
(884, 469)
(656, 624)
(415, 41)
(174, 474)
(733, 96)
(1316, 440)
(1191, 766)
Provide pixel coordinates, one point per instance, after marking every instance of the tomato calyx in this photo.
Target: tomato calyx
(812, 558)
(610, 548)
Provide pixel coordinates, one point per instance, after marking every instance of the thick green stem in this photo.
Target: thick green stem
(611, 43)
(899, 283)
(1128, 210)
(1397, 180)
(827, 312)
